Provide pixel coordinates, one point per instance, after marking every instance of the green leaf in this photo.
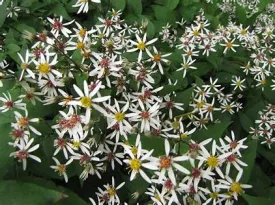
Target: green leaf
(241, 13)
(60, 10)
(255, 200)
(214, 131)
(5, 149)
(249, 156)
(184, 97)
(135, 6)
(160, 11)
(13, 48)
(168, 89)
(150, 29)
(15, 193)
(245, 122)
(119, 4)
(3, 13)
(172, 4)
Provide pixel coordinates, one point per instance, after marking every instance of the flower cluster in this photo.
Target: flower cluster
(114, 87)
(265, 126)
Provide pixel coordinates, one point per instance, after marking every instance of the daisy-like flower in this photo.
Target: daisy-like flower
(186, 65)
(167, 163)
(25, 65)
(83, 6)
(136, 162)
(213, 161)
(112, 192)
(24, 122)
(24, 152)
(141, 45)
(87, 99)
(214, 194)
(238, 83)
(118, 116)
(157, 58)
(61, 168)
(156, 196)
(147, 117)
(113, 156)
(229, 45)
(232, 186)
(46, 68)
(58, 26)
(9, 104)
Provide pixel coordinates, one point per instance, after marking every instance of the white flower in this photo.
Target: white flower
(24, 122)
(135, 163)
(25, 65)
(9, 104)
(238, 83)
(87, 99)
(112, 191)
(235, 187)
(24, 152)
(61, 168)
(141, 45)
(168, 162)
(58, 26)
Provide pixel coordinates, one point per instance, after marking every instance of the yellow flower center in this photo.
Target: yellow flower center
(200, 104)
(227, 107)
(82, 31)
(196, 33)
(24, 65)
(111, 191)
(236, 187)
(61, 168)
(212, 161)
(141, 45)
(183, 136)
(157, 57)
(175, 125)
(80, 45)
(157, 197)
(23, 121)
(263, 82)
(134, 150)
(135, 164)
(238, 84)
(76, 144)
(269, 33)
(119, 116)
(214, 195)
(44, 68)
(86, 102)
(229, 44)
(243, 32)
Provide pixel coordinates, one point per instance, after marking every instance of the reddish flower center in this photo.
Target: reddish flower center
(233, 144)
(57, 25)
(168, 184)
(169, 104)
(9, 104)
(231, 158)
(22, 154)
(19, 133)
(104, 63)
(145, 115)
(196, 173)
(165, 162)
